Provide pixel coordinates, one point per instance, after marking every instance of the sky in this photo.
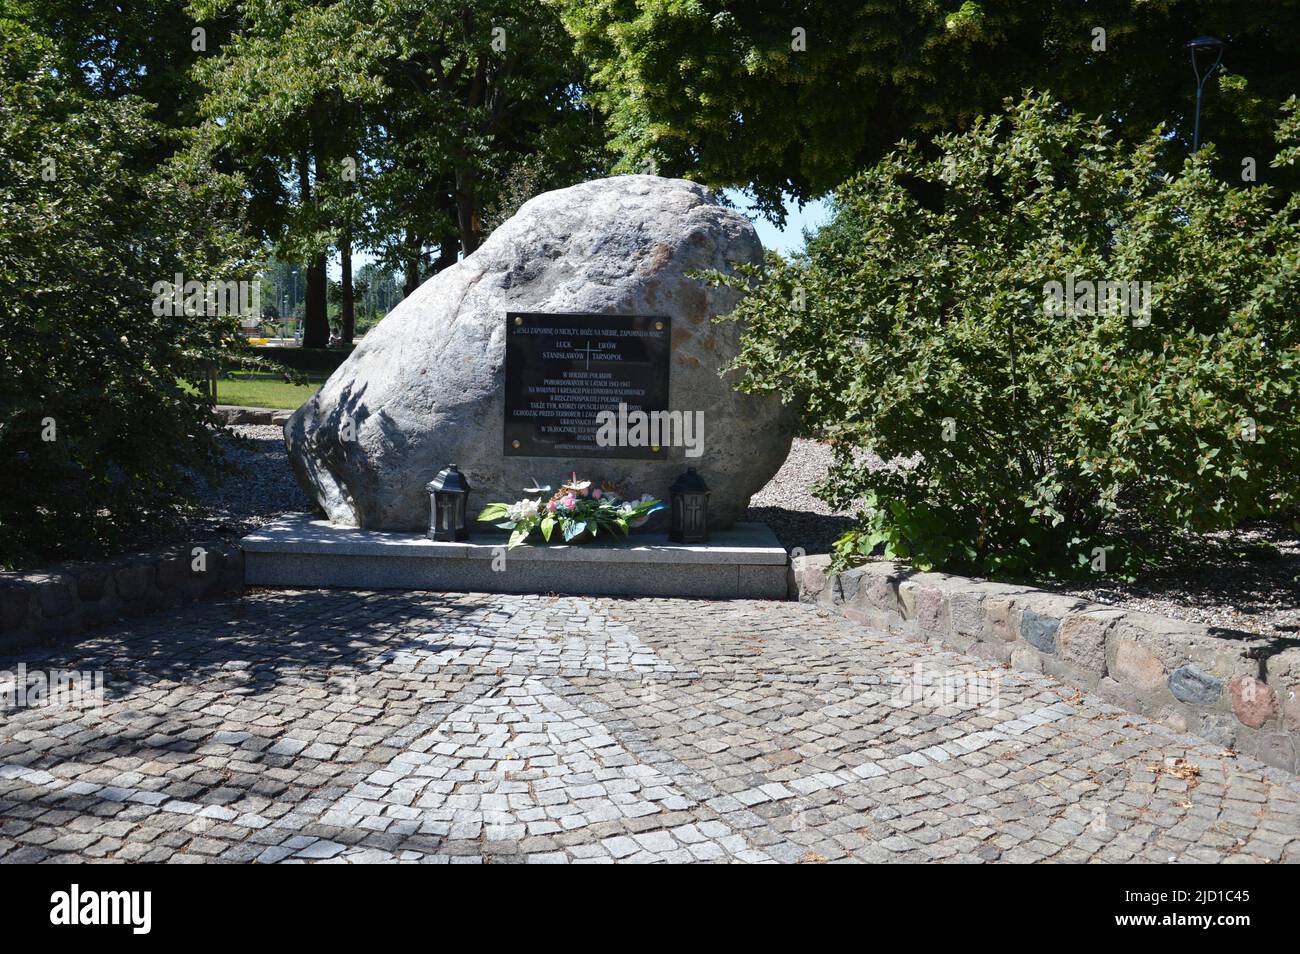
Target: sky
(789, 239)
(785, 241)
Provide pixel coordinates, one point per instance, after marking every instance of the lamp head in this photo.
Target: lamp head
(1204, 44)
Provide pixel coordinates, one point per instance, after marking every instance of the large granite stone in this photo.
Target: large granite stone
(426, 386)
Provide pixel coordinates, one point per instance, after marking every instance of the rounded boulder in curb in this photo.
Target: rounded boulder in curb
(1253, 701)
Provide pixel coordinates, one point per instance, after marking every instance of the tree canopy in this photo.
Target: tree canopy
(393, 124)
(795, 99)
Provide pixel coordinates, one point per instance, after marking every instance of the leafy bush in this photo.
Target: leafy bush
(915, 325)
(322, 360)
(98, 436)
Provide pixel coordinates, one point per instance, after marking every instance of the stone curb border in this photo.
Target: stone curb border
(237, 414)
(1238, 690)
(70, 598)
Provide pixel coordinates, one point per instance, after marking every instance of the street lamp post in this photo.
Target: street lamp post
(296, 301)
(1203, 45)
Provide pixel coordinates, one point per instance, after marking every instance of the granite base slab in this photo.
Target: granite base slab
(743, 562)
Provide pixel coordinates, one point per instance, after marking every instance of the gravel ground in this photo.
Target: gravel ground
(263, 486)
(1230, 589)
(787, 505)
(259, 487)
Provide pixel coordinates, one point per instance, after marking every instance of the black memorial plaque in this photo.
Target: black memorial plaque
(562, 370)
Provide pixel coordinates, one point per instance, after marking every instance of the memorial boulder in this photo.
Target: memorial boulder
(576, 338)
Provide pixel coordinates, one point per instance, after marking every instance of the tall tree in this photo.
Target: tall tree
(427, 104)
(474, 88)
(282, 100)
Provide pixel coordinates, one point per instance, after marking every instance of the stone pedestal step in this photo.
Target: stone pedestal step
(744, 562)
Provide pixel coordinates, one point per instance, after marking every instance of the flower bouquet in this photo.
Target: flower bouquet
(579, 510)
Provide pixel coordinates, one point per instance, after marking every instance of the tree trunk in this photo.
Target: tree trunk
(315, 323)
(316, 326)
(412, 279)
(466, 212)
(448, 250)
(466, 204)
(347, 309)
(449, 243)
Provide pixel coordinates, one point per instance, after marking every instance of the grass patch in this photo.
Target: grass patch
(266, 389)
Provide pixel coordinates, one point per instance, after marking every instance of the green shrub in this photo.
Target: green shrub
(923, 318)
(99, 436)
(310, 360)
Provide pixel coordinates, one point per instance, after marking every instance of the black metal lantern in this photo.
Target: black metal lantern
(689, 496)
(448, 499)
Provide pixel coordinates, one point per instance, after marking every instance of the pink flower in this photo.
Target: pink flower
(569, 502)
(595, 494)
(550, 505)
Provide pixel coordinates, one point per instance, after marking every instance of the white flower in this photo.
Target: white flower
(523, 510)
(628, 506)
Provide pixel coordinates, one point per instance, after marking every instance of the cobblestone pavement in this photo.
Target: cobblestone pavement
(344, 726)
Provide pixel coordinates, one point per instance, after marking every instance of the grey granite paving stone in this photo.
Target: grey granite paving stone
(366, 727)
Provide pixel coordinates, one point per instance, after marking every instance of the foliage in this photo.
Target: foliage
(1019, 440)
(378, 292)
(525, 180)
(392, 124)
(98, 432)
(462, 119)
(145, 48)
(578, 510)
(716, 90)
